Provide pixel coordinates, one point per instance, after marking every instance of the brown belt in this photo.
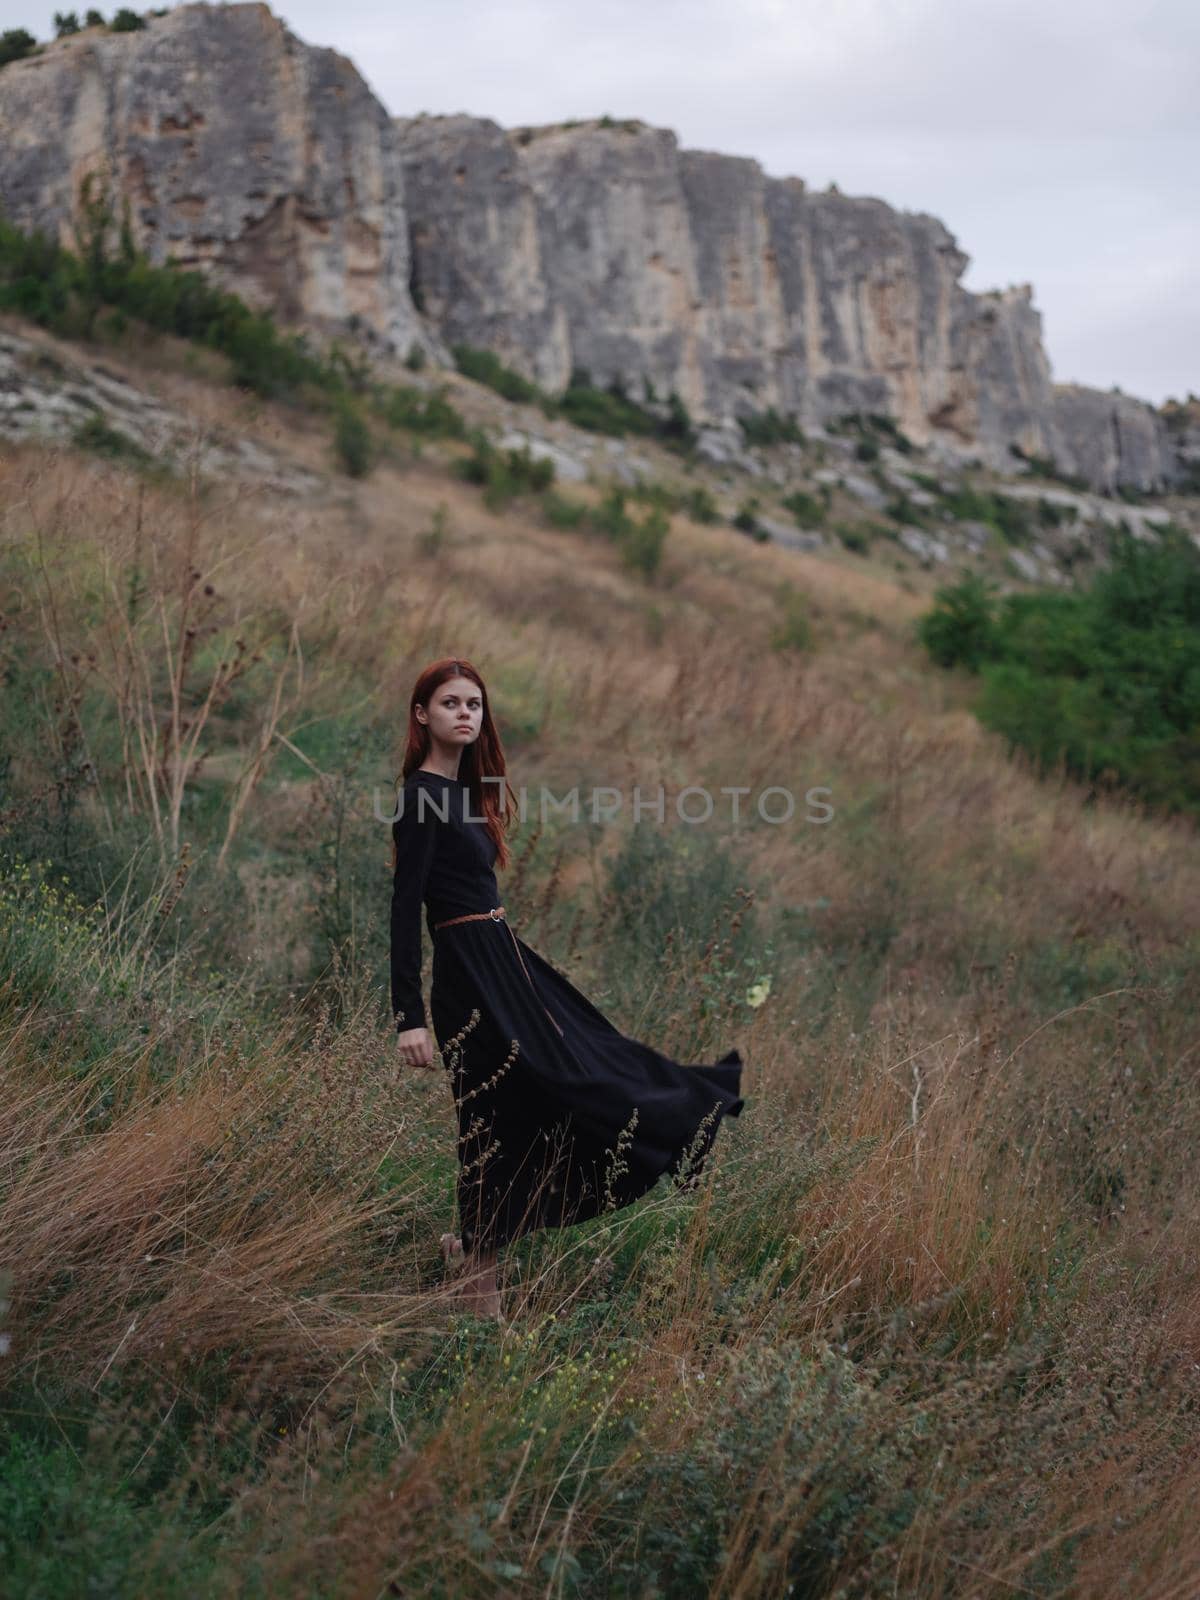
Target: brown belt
(497, 915)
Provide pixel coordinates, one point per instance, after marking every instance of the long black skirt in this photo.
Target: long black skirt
(560, 1115)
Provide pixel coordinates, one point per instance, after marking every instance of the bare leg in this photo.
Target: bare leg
(475, 1277)
(480, 1290)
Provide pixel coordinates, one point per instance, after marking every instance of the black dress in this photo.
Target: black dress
(560, 1115)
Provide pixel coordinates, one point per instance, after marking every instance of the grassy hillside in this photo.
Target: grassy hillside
(931, 1326)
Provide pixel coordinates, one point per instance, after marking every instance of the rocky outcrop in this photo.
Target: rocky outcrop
(600, 246)
(240, 150)
(1112, 440)
(48, 394)
(606, 247)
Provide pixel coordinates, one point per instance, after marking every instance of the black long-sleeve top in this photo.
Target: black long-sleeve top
(447, 863)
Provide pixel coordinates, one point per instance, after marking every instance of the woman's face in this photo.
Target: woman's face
(454, 714)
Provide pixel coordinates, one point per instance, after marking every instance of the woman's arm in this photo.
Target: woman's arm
(415, 840)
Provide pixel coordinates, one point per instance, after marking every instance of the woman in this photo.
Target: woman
(560, 1115)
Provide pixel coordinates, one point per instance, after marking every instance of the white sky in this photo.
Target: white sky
(1058, 140)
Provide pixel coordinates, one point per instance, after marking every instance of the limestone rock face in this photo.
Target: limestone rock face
(1111, 439)
(603, 246)
(239, 149)
(600, 246)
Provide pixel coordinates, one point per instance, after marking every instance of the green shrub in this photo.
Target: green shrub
(808, 510)
(1107, 680)
(562, 512)
(905, 512)
(746, 518)
(418, 412)
(770, 427)
(1047, 467)
(352, 441)
(64, 291)
(610, 517)
(656, 493)
(639, 542)
(890, 429)
(873, 428)
(434, 537)
(855, 536)
(607, 411)
(794, 629)
(15, 45)
(95, 434)
(695, 502)
(1011, 518)
(1053, 516)
(485, 367)
(126, 21)
(677, 427)
(700, 505)
(960, 629)
(504, 474)
(642, 546)
(65, 24)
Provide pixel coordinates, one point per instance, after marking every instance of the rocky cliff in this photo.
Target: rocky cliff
(604, 246)
(598, 245)
(240, 150)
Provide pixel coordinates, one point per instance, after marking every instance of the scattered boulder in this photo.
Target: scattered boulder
(864, 489)
(1025, 565)
(567, 469)
(793, 538)
(925, 546)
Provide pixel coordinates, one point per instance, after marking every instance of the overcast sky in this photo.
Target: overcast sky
(1058, 140)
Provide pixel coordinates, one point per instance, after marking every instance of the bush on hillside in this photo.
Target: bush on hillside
(609, 411)
(874, 428)
(640, 543)
(809, 510)
(15, 45)
(418, 412)
(770, 427)
(642, 546)
(64, 291)
(960, 630)
(485, 367)
(96, 435)
(352, 441)
(563, 513)
(1012, 519)
(504, 474)
(700, 505)
(1106, 680)
(746, 519)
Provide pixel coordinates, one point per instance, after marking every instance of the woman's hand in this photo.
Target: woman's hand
(416, 1047)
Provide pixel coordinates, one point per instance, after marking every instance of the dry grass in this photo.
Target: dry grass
(933, 1326)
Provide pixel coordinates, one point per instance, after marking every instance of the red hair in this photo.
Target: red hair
(482, 759)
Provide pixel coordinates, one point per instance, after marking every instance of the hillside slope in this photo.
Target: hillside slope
(940, 1294)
